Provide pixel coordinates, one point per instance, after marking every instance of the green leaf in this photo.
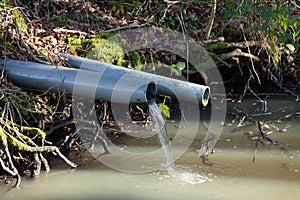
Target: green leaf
(297, 32)
(238, 14)
(164, 109)
(273, 47)
(248, 28)
(45, 52)
(256, 28)
(283, 17)
(180, 65)
(247, 8)
(265, 26)
(282, 38)
(295, 24)
(285, 26)
(177, 69)
(273, 33)
(289, 36)
(245, 18)
(227, 15)
(277, 58)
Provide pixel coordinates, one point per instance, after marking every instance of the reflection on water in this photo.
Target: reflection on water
(230, 175)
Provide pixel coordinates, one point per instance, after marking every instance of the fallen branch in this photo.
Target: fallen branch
(238, 52)
(62, 30)
(123, 27)
(226, 45)
(219, 39)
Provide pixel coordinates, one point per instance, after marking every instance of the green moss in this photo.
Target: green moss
(218, 45)
(136, 61)
(105, 35)
(231, 35)
(20, 21)
(7, 45)
(98, 48)
(122, 6)
(62, 21)
(3, 137)
(24, 147)
(81, 46)
(107, 51)
(34, 131)
(74, 42)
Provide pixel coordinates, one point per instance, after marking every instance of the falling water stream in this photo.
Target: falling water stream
(162, 134)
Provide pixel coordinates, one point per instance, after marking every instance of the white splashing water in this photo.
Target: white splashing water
(162, 134)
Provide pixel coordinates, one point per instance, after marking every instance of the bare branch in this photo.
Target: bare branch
(238, 52)
(211, 19)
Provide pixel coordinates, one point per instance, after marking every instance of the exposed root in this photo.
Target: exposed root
(22, 147)
(9, 171)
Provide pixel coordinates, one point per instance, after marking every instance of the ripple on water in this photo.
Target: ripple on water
(192, 178)
(184, 175)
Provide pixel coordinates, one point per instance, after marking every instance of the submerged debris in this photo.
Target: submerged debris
(262, 138)
(267, 122)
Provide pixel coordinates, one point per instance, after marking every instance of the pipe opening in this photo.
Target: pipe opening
(205, 97)
(151, 92)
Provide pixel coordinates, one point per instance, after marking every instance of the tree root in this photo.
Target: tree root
(24, 143)
(9, 171)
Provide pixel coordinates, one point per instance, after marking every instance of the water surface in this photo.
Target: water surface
(229, 173)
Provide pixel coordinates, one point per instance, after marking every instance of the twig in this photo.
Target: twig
(34, 57)
(261, 138)
(222, 61)
(184, 31)
(274, 78)
(123, 27)
(295, 4)
(211, 19)
(169, 5)
(72, 164)
(251, 58)
(63, 30)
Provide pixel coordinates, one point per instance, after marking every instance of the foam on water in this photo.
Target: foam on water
(183, 176)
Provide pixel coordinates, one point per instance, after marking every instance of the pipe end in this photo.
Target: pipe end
(151, 92)
(205, 97)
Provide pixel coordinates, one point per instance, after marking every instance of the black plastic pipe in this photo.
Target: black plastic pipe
(167, 86)
(78, 82)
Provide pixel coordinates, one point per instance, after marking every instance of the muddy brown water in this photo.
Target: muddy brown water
(230, 173)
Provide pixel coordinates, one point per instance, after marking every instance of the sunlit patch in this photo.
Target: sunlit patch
(192, 178)
(184, 175)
